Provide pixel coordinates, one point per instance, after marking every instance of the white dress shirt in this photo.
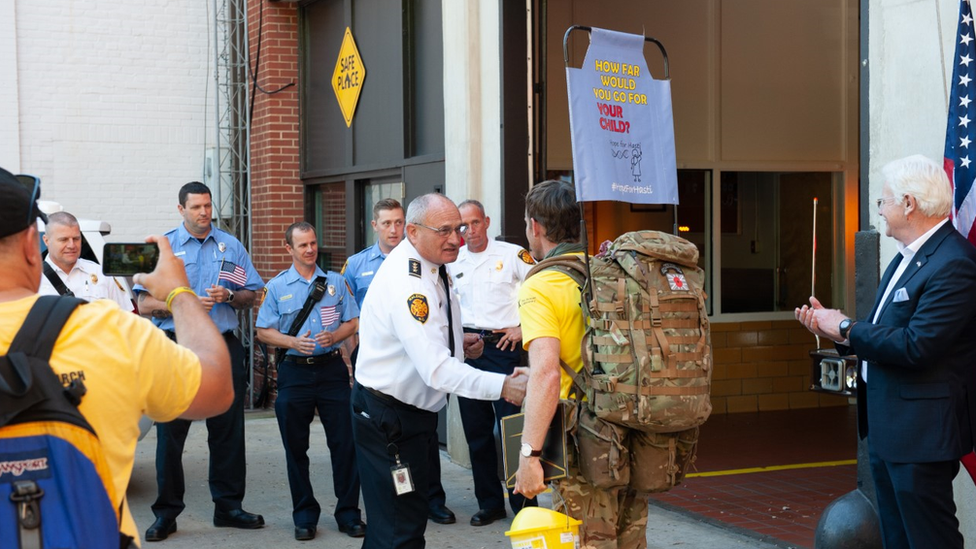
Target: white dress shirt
(403, 337)
(87, 282)
(487, 284)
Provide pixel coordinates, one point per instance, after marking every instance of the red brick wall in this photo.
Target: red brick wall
(762, 366)
(276, 190)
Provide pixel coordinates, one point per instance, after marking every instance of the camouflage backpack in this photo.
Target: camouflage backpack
(647, 362)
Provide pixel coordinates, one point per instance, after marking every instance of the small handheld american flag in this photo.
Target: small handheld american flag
(232, 273)
(329, 315)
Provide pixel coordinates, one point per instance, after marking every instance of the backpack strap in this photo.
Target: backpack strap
(43, 325)
(55, 280)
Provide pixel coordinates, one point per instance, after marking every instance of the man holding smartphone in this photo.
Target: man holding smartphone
(220, 272)
(65, 271)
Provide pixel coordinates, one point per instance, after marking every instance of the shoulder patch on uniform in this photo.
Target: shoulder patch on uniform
(344, 265)
(413, 267)
(418, 307)
(526, 257)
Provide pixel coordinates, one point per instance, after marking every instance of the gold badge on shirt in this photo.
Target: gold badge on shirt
(94, 279)
(526, 257)
(418, 307)
(499, 265)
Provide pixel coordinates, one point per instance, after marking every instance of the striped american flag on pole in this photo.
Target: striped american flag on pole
(960, 151)
(232, 273)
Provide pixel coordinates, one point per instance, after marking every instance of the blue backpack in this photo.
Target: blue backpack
(56, 489)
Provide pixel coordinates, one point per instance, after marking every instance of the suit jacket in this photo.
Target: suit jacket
(919, 403)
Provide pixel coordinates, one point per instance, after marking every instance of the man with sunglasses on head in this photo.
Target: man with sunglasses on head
(128, 370)
(411, 355)
(66, 271)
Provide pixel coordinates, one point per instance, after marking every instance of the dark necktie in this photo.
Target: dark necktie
(450, 326)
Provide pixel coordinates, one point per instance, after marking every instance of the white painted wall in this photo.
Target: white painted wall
(911, 42)
(472, 99)
(113, 104)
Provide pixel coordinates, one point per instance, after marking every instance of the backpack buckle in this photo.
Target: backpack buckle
(25, 494)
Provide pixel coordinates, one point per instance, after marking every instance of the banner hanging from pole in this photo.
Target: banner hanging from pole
(621, 124)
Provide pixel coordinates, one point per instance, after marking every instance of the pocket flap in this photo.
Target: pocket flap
(925, 390)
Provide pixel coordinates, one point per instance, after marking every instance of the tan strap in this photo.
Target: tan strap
(627, 358)
(689, 390)
(650, 339)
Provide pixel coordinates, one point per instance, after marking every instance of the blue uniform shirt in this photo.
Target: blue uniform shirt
(286, 295)
(360, 269)
(202, 261)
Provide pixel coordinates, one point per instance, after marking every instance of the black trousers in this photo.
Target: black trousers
(480, 418)
(303, 389)
(915, 504)
(436, 495)
(385, 431)
(226, 441)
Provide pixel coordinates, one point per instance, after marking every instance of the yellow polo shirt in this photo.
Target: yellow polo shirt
(549, 306)
(129, 367)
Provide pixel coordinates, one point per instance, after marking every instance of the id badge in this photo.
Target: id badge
(401, 479)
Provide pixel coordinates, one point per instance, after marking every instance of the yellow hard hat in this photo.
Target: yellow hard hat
(538, 524)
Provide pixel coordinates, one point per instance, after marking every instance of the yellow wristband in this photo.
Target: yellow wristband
(174, 293)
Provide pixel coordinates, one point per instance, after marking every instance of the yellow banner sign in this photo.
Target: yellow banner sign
(347, 79)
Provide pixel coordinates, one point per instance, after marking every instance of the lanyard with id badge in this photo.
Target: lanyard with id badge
(402, 481)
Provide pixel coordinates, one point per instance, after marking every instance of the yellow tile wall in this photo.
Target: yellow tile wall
(762, 366)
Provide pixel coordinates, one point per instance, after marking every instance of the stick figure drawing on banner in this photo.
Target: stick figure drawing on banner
(635, 159)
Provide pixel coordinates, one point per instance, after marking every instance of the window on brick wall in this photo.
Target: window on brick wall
(374, 191)
(330, 220)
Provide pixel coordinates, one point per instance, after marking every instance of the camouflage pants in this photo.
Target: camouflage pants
(612, 519)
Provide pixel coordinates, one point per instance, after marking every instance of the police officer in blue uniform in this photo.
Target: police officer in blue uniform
(313, 376)
(220, 272)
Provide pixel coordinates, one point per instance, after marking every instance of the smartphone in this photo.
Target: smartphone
(129, 258)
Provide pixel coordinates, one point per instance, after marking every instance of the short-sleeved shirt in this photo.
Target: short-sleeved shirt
(549, 306)
(129, 368)
(286, 296)
(204, 261)
(404, 347)
(87, 282)
(360, 269)
(487, 284)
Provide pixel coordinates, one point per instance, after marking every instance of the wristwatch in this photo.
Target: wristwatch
(230, 295)
(845, 327)
(527, 451)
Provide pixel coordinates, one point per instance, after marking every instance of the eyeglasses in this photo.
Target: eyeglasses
(33, 183)
(883, 200)
(445, 232)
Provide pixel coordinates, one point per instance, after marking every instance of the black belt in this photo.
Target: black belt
(172, 335)
(487, 336)
(390, 400)
(315, 359)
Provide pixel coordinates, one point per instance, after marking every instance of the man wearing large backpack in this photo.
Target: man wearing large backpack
(552, 330)
(128, 366)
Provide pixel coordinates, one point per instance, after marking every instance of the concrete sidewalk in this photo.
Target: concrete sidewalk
(267, 494)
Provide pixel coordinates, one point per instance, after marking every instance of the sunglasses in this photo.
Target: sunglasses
(34, 185)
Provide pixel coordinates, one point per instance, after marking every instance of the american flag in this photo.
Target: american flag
(232, 273)
(329, 315)
(961, 127)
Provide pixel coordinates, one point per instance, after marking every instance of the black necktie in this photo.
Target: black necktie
(450, 326)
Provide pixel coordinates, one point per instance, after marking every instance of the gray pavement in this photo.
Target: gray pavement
(267, 494)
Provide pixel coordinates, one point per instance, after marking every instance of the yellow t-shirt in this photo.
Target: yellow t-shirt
(549, 306)
(129, 367)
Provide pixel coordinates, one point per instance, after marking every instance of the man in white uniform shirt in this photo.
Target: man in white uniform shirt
(486, 278)
(410, 356)
(83, 278)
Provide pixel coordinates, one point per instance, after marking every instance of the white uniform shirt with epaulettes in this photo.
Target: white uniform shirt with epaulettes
(286, 295)
(87, 282)
(403, 337)
(487, 284)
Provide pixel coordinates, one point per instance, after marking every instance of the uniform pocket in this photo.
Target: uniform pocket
(604, 459)
(661, 460)
(924, 391)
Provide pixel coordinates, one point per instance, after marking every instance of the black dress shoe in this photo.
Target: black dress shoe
(441, 514)
(303, 533)
(485, 517)
(354, 529)
(161, 529)
(238, 518)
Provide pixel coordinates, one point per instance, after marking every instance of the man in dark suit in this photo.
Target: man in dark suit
(918, 358)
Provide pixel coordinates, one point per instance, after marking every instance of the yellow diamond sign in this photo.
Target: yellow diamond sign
(347, 79)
